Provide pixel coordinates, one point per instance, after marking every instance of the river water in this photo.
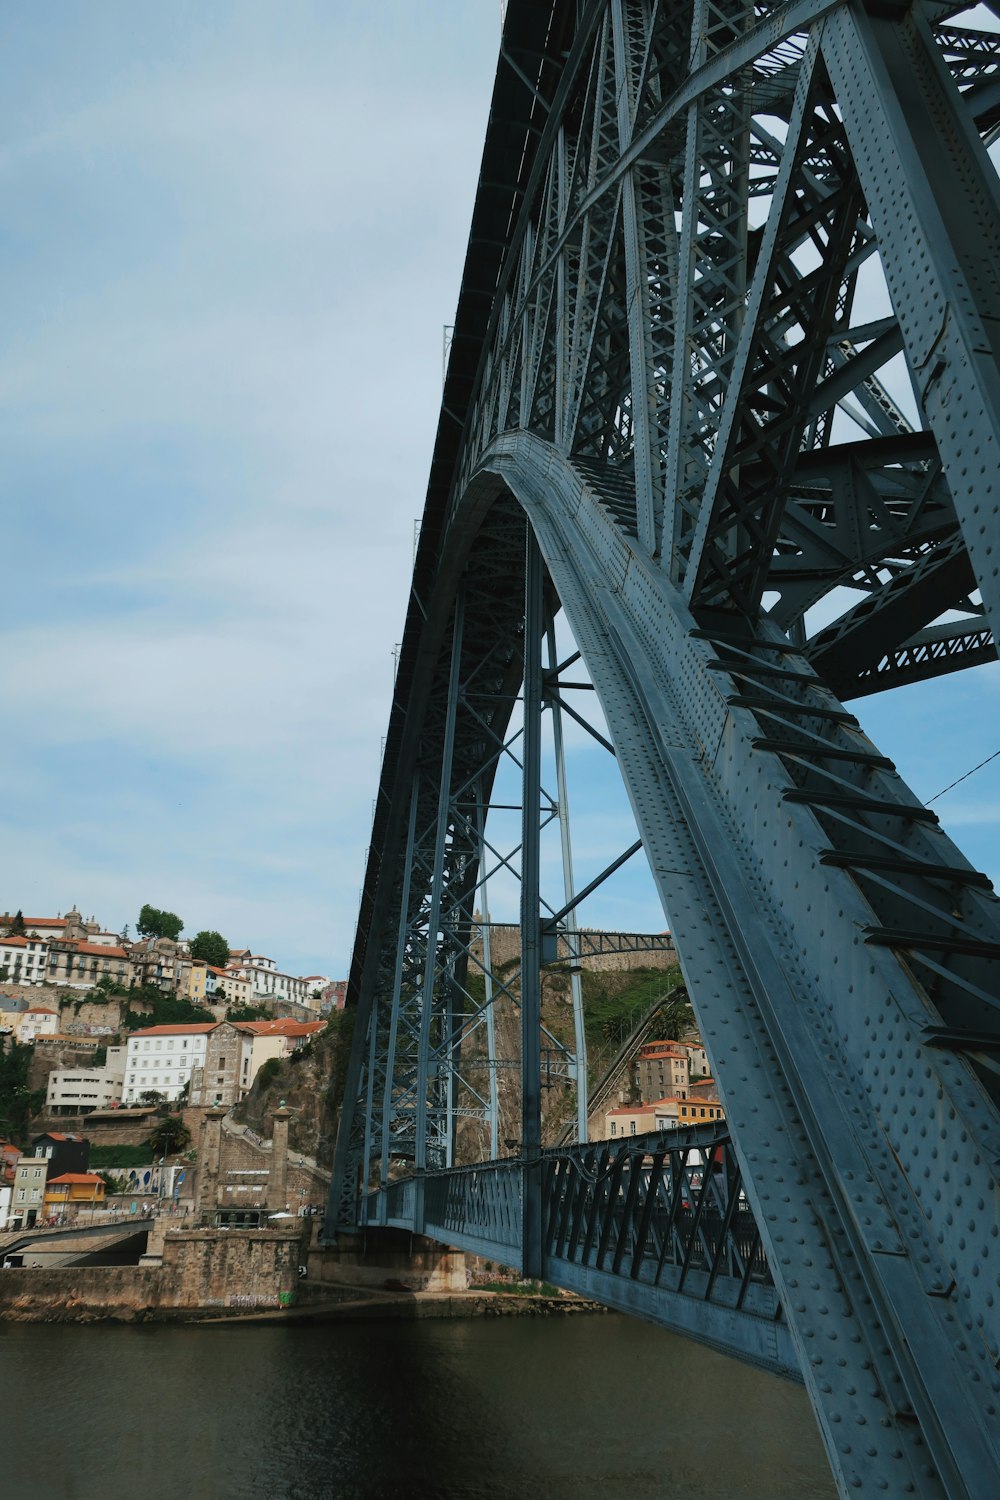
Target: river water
(574, 1408)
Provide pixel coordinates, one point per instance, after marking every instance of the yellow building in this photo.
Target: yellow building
(660, 1114)
(72, 1191)
(693, 1112)
(193, 980)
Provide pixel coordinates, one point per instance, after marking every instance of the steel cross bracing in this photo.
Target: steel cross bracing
(629, 1222)
(724, 387)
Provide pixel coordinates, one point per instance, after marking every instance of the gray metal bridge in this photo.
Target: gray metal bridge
(723, 389)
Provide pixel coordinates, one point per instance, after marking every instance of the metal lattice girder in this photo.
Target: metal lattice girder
(933, 197)
(656, 1225)
(727, 339)
(815, 997)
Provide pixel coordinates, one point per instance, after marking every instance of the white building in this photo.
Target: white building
(266, 980)
(161, 1059)
(23, 960)
(231, 984)
(105, 939)
(45, 927)
(76, 1091)
(238, 1049)
(700, 1065)
(34, 1022)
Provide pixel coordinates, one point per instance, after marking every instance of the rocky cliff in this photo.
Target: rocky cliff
(311, 1083)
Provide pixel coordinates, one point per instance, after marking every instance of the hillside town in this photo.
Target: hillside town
(78, 954)
(119, 1030)
(73, 999)
(674, 1089)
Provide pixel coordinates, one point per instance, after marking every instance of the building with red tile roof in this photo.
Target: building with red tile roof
(668, 1113)
(72, 1191)
(237, 1050)
(662, 1067)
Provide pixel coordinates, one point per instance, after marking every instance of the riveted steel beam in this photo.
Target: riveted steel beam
(668, 358)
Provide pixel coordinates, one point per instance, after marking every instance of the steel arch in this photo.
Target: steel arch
(664, 361)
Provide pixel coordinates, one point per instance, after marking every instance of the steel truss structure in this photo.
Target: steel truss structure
(627, 1222)
(723, 387)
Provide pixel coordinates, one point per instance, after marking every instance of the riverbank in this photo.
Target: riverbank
(373, 1307)
(67, 1303)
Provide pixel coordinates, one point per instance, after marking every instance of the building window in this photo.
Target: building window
(631, 1126)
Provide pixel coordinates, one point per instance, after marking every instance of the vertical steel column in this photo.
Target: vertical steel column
(569, 921)
(643, 407)
(434, 915)
(531, 996)
(366, 1158)
(491, 1039)
(451, 1076)
(397, 979)
(562, 326)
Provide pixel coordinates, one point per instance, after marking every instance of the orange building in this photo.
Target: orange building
(693, 1112)
(73, 1191)
(660, 1115)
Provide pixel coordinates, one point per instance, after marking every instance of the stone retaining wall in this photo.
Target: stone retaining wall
(202, 1269)
(505, 948)
(240, 1155)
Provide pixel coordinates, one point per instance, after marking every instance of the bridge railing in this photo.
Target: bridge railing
(666, 1213)
(654, 1224)
(663, 1212)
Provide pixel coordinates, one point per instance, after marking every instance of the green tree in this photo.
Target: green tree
(106, 987)
(113, 1182)
(18, 1102)
(17, 927)
(246, 1012)
(151, 1096)
(154, 923)
(676, 1019)
(212, 947)
(169, 1137)
(164, 1010)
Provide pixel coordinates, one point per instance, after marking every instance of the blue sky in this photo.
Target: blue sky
(232, 235)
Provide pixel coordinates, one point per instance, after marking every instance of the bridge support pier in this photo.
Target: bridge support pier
(373, 1257)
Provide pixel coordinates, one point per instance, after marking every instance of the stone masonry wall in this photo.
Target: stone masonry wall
(505, 947)
(240, 1155)
(76, 1013)
(202, 1269)
(244, 1268)
(407, 1262)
